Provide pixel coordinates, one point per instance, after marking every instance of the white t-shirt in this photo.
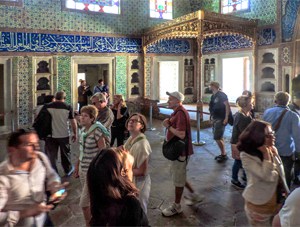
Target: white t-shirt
(290, 212)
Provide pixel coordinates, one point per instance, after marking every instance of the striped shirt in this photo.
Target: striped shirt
(90, 149)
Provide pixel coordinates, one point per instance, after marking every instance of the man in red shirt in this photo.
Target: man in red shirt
(179, 125)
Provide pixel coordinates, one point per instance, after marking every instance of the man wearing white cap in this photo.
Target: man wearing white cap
(179, 125)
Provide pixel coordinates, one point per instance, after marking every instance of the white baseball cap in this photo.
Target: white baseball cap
(177, 95)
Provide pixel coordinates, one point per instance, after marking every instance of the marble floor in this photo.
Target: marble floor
(222, 206)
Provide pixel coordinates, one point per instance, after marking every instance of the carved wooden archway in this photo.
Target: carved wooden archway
(200, 25)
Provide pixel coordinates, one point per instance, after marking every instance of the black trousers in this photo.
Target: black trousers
(51, 148)
(288, 163)
(117, 133)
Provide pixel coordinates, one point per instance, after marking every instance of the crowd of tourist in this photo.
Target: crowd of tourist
(114, 172)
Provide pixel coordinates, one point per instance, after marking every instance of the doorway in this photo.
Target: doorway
(92, 69)
(6, 103)
(236, 76)
(92, 73)
(168, 78)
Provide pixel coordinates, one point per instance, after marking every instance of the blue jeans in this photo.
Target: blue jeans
(237, 165)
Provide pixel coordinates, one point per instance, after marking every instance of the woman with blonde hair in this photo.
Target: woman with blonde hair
(118, 128)
(241, 120)
(139, 147)
(93, 139)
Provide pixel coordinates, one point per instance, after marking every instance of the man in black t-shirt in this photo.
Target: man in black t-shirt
(219, 111)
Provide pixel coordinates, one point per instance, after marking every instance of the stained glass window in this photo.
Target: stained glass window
(230, 6)
(102, 6)
(161, 9)
(11, 2)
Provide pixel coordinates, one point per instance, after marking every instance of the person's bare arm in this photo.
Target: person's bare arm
(74, 129)
(227, 108)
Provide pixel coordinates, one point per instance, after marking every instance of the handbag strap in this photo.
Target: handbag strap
(276, 127)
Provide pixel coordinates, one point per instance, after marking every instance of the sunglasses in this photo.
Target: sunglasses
(94, 103)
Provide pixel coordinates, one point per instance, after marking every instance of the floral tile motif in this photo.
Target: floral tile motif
(121, 75)
(24, 67)
(148, 61)
(64, 76)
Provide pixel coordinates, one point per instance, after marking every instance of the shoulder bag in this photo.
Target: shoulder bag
(173, 148)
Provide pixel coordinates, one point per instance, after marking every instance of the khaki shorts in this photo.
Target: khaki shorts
(178, 171)
(85, 197)
(218, 129)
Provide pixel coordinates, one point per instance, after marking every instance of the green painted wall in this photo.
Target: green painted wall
(264, 10)
(49, 15)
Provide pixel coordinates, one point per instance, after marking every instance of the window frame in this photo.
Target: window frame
(9, 3)
(235, 12)
(64, 8)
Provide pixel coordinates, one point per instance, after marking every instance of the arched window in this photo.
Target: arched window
(231, 6)
(101, 6)
(162, 9)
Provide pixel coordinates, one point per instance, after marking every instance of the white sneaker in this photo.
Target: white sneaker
(172, 210)
(193, 198)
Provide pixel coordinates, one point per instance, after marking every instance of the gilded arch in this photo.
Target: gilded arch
(200, 25)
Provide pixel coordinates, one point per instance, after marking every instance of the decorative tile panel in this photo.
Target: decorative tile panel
(263, 102)
(209, 5)
(289, 17)
(264, 10)
(64, 76)
(54, 43)
(121, 75)
(266, 36)
(286, 55)
(170, 47)
(36, 42)
(222, 43)
(148, 76)
(181, 8)
(56, 18)
(25, 89)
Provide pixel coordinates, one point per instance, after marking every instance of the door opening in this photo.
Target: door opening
(91, 73)
(2, 97)
(168, 78)
(236, 76)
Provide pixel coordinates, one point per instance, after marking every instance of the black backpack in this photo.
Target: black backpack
(42, 123)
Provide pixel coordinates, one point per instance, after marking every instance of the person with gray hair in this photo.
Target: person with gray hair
(105, 114)
(286, 125)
